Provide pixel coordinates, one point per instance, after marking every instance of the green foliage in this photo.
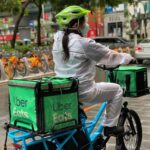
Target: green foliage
(61, 4)
(24, 48)
(6, 48)
(91, 4)
(40, 2)
(11, 6)
(21, 48)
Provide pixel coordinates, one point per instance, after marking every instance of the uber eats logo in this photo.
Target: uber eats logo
(19, 108)
(20, 102)
(62, 112)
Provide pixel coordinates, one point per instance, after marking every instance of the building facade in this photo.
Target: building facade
(113, 24)
(127, 20)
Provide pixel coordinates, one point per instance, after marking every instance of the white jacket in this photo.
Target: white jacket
(85, 53)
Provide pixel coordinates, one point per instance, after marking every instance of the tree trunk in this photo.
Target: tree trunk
(18, 22)
(39, 23)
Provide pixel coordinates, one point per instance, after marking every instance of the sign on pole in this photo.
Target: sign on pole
(134, 24)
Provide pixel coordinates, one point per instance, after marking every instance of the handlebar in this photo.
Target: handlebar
(104, 67)
(111, 68)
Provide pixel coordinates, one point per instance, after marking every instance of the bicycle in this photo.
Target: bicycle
(7, 66)
(84, 138)
(18, 65)
(47, 56)
(35, 63)
(128, 119)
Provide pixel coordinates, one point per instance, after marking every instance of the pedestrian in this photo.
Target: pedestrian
(76, 56)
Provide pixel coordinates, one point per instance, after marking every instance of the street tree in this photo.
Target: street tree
(57, 5)
(39, 4)
(16, 6)
(10, 6)
(60, 4)
(23, 7)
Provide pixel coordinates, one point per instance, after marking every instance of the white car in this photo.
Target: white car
(142, 51)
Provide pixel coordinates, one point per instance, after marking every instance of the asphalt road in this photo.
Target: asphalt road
(140, 104)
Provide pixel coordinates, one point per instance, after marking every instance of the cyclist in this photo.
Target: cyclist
(76, 56)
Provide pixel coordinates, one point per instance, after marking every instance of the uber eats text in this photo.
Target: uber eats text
(62, 112)
(20, 105)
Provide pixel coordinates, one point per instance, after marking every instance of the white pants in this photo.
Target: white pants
(112, 93)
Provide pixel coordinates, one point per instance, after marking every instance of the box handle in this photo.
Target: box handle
(74, 85)
(18, 121)
(71, 120)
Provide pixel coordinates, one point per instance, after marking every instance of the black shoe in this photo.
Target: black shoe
(113, 131)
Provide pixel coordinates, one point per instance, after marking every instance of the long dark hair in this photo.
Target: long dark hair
(67, 31)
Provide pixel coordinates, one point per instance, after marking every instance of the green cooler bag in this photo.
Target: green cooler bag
(45, 105)
(133, 79)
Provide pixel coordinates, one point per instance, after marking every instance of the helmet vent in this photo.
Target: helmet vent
(75, 12)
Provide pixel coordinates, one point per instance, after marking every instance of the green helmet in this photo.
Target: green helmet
(72, 12)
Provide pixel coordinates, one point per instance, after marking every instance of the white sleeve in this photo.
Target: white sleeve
(103, 55)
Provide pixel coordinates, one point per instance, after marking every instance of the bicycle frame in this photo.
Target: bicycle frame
(88, 127)
(23, 136)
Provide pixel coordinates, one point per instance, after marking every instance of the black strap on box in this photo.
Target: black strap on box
(74, 85)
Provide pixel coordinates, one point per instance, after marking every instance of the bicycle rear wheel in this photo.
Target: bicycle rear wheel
(133, 132)
(9, 70)
(21, 68)
(43, 66)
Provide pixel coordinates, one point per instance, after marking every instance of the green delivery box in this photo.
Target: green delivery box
(133, 79)
(45, 105)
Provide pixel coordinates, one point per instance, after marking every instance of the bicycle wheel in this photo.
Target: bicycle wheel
(21, 68)
(132, 138)
(51, 65)
(9, 70)
(43, 66)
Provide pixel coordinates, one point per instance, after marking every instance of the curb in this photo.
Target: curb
(33, 76)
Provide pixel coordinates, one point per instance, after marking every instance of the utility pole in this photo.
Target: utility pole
(148, 6)
(135, 22)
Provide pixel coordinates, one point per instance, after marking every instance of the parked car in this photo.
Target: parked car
(116, 43)
(142, 51)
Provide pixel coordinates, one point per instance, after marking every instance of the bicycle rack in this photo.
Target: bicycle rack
(18, 135)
